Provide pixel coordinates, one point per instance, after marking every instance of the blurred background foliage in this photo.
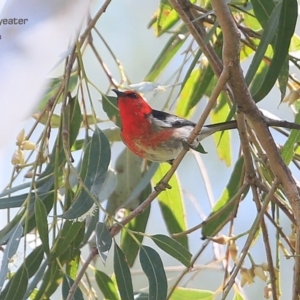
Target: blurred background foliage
(71, 178)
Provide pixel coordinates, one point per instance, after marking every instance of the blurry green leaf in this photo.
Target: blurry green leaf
(72, 266)
(109, 105)
(173, 248)
(18, 285)
(103, 240)
(167, 17)
(153, 268)
(53, 88)
(66, 286)
(90, 227)
(128, 169)
(181, 293)
(93, 173)
(224, 208)
(286, 27)
(222, 138)
(42, 223)
(288, 149)
(238, 296)
(172, 205)
(123, 276)
(169, 51)
(10, 250)
(129, 245)
(54, 123)
(106, 285)
(283, 79)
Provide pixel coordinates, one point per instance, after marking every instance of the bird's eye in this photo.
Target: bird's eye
(133, 95)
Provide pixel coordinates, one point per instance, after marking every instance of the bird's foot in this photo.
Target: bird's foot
(162, 186)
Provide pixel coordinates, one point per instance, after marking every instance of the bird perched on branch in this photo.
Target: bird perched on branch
(156, 135)
(159, 136)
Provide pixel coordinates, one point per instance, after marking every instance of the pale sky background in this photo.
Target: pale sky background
(124, 27)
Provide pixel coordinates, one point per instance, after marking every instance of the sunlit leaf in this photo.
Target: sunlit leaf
(224, 209)
(181, 293)
(172, 204)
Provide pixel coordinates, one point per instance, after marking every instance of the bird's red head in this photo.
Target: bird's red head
(132, 103)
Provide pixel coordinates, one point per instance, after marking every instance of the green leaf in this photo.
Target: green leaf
(173, 248)
(167, 17)
(42, 223)
(288, 149)
(128, 168)
(66, 236)
(53, 87)
(222, 138)
(66, 286)
(172, 205)
(123, 276)
(10, 250)
(191, 294)
(109, 105)
(224, 209)
(106, 285)
(168, 52)
(129, 245)
(103, 240)
(266, 39)
(18, 285)
(93, 171)
(263, 10)
(31, 264)
(153, 268)
(286, 27)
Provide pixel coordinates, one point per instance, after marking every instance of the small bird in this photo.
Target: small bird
(156, 135)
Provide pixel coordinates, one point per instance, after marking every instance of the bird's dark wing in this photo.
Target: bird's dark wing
(164, 119)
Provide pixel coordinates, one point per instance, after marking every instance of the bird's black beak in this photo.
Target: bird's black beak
(119, 93)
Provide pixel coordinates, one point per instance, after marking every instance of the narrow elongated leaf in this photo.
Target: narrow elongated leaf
(10, 250)
(103, 240)
(93, 172)
(66, 286)
(123, 275)
(66, 236)
(153, 268)
(172, 205)
(173, 248)
(286, 27)
(31, 264)
(288, 149)
(129, 245)
(106, 285)
(263, 10)
(18, 285)
(266, 39)
(109, 105)
(191, 294)
(42, 223)
(222, 138)
(224, 208)
(166, 55)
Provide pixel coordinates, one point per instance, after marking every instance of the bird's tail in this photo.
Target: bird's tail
(208, 130)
